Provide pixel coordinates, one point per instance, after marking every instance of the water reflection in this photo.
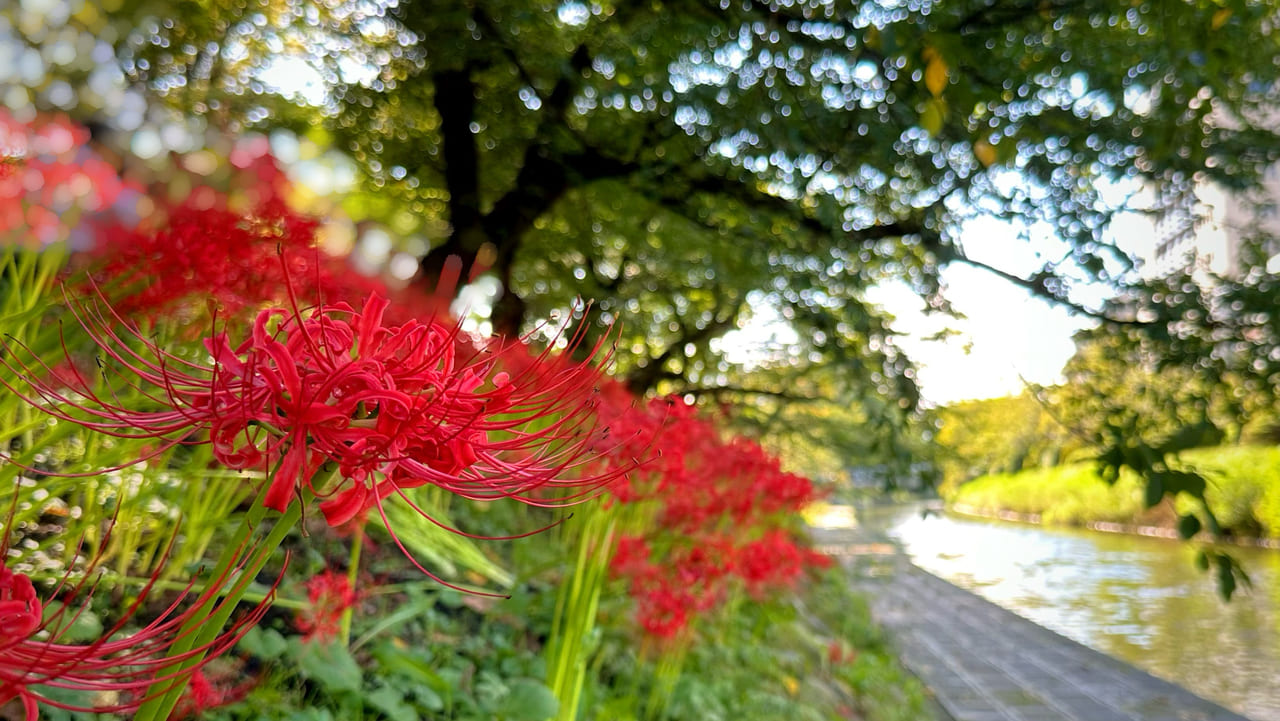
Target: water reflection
(1136, 598)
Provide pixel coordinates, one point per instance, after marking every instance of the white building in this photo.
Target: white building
(1206, 229)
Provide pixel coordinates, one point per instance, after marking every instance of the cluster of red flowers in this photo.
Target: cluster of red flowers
(335, 401)
(49, 176)
(381, 408)
(204, 250)
(330, 594)
(237, 252)
(720, 510)
(158, 258)
(125, 663)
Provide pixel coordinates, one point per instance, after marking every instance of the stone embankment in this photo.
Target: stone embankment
(1109, 526)
(983, 663)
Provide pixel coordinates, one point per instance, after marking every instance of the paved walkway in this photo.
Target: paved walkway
(984, 663)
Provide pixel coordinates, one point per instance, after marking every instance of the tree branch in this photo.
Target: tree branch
(1039, 286)
(644, 378)
(455, 102)
(742, 390)
(675, 196)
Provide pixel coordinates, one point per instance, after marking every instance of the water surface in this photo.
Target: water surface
(1136, 598)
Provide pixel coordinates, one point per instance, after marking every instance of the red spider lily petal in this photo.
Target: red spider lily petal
(385, 408)
(20, 610)
(212, 689)
(122, 664)
(330, 594)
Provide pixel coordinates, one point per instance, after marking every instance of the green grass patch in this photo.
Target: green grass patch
(1243, 492)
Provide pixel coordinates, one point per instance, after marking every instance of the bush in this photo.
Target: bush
(1243, 492)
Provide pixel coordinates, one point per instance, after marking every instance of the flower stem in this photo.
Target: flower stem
(208, 620)
(353, 573)
(573, 629)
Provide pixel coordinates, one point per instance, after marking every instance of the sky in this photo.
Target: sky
(1005, 337)
(1008, 337)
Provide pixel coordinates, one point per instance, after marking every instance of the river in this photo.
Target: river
(1135, 598)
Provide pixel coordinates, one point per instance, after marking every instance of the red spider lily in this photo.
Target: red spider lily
(46, 175)
(631, 557)
(669, 593)
(775, 561)
(210, 246)
(121, 667)
(663, 612)
(330, 594)
(209, 690)
(203, 250)
(635, 428)
(720, 507)
(339, 404)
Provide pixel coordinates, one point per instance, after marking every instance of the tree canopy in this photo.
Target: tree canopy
(687, 164)
(1001, 435)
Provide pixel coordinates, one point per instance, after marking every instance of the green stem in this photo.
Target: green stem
(576, 609)
(353, 574)
(111, 580)
(208, 620)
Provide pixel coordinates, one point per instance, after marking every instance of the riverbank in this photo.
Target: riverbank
(1132, 597)
(1243, 493)
(984, 662)
(1037, 519)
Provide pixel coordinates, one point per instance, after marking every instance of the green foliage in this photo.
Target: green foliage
(467, 661)
(327, 664)
(1120, 385)
(832, 430)
(688, 167)
(449, 553)
(447, 660)
(1242, 493)
(1071, 494)
(773, 660)
(1000, 435)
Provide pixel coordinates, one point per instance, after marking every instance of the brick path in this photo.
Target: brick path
(984, 663)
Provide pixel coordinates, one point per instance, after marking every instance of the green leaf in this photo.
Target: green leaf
(74, 625)
(1154, 490)
(1226, 577)
(1202, 560)
(390, 701)
(413, 666)
(1188, 526)
(429, 699)
(933, 115)
(490, 691)
(328, 664)
(266, 644)
(529, 700)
